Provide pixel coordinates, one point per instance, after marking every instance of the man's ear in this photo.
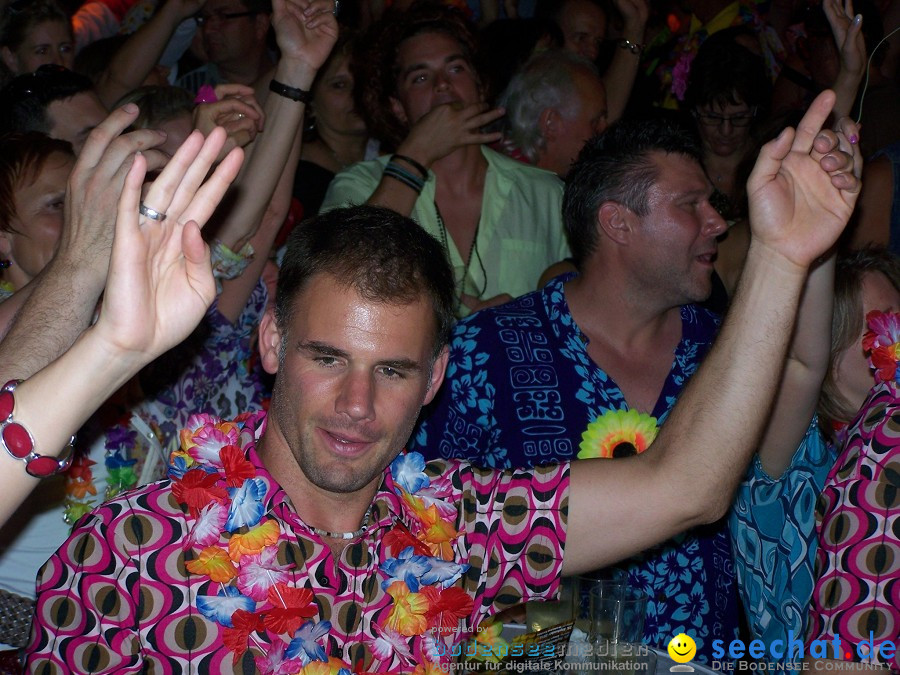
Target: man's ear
(269, 342)
(10, 60)
(616, 221)
(549, 124)
(438, 370)
(397, 109)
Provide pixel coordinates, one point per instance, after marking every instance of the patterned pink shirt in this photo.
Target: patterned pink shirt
(857, 593)
(856, 600)
(117, 597)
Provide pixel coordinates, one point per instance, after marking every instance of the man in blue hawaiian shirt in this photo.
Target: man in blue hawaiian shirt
(527, 378)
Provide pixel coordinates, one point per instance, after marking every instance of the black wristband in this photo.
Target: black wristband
(293, 93)
(413, 163)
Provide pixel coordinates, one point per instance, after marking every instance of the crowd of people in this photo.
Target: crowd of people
(332, 332)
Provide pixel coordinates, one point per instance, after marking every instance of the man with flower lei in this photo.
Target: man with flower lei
(301, 542)
(258, 598)
(339, 558)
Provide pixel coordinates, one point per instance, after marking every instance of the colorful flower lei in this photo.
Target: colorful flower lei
(236, 547)
(120, 466)
(618, 433)
(882, 343)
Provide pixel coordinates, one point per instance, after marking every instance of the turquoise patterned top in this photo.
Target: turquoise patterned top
(773, 533)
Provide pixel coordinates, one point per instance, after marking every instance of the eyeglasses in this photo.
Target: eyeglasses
(710, 120)
(220, 16)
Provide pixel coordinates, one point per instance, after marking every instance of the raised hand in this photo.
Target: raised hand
(305, 30)
(635, 14)
(804, 186)
(236, 110)
(847, 30)
(95, 184)
(160, 282)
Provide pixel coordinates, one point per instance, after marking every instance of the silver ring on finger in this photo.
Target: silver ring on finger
(152, 214)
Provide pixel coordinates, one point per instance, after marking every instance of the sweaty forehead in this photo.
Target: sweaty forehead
(329, 311)
(73, 115)
(47, 32)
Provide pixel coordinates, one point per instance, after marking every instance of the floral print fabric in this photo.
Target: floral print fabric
(125, 442)
(520, 390)
(118, 596)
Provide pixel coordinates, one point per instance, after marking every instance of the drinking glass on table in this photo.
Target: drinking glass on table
(617, 625)
(617, 612)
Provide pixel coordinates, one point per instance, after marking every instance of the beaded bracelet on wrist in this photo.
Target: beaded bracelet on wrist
(19, 443)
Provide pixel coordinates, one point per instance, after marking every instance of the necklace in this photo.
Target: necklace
(473, 251)
(345, 535)
(264, 603)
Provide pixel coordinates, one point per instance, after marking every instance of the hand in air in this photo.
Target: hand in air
(804, 186)
(160, 280)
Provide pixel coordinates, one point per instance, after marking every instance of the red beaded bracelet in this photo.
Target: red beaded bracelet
(19, 443)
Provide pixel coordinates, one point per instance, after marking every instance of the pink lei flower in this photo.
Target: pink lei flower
(882, 343)
(680, 74)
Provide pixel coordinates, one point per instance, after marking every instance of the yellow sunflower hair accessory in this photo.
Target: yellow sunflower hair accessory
(618, 433)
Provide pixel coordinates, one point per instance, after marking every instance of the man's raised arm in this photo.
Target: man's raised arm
(159, 285)
(53, 310)
(800, 201)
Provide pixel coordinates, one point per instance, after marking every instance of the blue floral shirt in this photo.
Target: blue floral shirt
(520, 390)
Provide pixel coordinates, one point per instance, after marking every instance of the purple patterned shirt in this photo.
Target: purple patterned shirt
(856, 599)
(117, 598)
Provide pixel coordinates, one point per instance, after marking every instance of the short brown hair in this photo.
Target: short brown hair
(383, 256)
(22, 157)
(158, 105)
(847, 323)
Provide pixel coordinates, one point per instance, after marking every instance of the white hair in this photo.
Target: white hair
(544, 81)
